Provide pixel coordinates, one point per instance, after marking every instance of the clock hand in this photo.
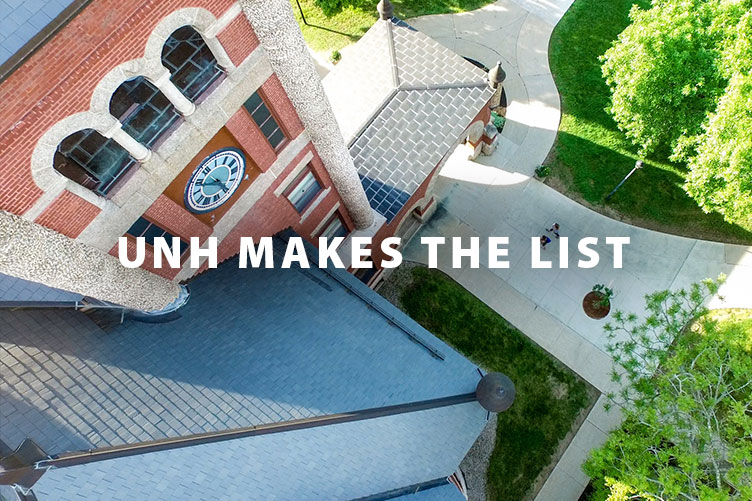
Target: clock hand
(224, 187)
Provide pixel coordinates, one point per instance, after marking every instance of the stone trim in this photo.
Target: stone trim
(146, 185)
(281, 38)
(32, 252)
(136, 194)
(98, 116)
(290, 178)
(223, 21)
(324, 220)
(316, 202)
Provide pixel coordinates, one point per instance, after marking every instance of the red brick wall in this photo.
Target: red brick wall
(169, 216)
(272, 214)
(389, 229)
(238, 39)
(250, 136)
(68, 214)
(58, 80)
(177, 220)
(242, 126)
(276, 97)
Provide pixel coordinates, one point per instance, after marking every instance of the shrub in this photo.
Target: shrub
(542, 171)
(498, 121)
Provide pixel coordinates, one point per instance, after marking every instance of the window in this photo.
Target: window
(335, 227)
(265, 120)
(303, 190)
(92, 160)
(146, 114)
(145, 228)
(191, 63)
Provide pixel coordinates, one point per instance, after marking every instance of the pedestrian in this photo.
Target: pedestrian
(544, 240)
(554, 229)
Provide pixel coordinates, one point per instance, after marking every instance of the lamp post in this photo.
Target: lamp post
(638, 165)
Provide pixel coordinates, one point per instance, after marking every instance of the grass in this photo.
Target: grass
(549, 396)
(326, 33)
(591, 155)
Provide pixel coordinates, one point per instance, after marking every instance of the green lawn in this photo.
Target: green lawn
(591, 155)
(327, 33)
(549, 396)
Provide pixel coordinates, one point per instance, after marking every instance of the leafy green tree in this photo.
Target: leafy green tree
(665, 73)
(687, 400)
(331, 7)
(720, 176)
(680, 81)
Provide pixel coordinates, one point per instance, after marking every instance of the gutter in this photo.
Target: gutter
(120, 451)
(37, 41)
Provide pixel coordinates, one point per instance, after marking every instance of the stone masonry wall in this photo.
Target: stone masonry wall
(58, 79)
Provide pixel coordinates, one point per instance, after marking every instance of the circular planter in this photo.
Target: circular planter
(593, 308)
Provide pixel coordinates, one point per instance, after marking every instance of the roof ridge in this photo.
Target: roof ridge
(458, 85)
(392, 54)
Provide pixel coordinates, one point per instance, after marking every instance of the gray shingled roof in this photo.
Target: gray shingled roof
(20, 20)
(19, 292)
(338, 462)
(402, 101)
(253, 347)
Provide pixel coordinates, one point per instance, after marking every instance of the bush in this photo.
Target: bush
(542, 171)
(498, 121)
(335, 56)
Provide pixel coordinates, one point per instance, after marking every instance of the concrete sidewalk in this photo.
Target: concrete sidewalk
(496, 196)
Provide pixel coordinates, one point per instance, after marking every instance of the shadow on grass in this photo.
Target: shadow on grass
(352, 37)
(652, 197)
(584, 34)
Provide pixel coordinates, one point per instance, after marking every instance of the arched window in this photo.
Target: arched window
(191, 63)
(146, 114)
(92, 160)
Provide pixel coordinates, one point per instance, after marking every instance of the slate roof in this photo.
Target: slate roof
(446, 492)
(21, 20)
(402, 101)
(339, 462)
(18, 292)
(252, 347)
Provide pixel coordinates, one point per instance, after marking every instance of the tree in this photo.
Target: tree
(664, 73)
(720, 175)
(680, 80)
(332, 7)
(687, 400)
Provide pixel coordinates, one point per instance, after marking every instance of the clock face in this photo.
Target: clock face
(215, 180)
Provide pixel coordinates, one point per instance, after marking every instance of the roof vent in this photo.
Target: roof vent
(385, 9)
(496, 75)
(495, 392)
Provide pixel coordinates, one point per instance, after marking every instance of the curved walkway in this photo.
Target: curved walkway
(497, 196)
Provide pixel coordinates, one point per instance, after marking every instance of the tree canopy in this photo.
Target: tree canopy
(679, 79)
(687, 401)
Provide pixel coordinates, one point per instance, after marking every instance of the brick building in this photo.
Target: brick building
(113, 114)
(204, 119)
(112, 108)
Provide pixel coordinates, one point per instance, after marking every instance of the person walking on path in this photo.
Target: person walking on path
(554, 229)
(544, 240)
